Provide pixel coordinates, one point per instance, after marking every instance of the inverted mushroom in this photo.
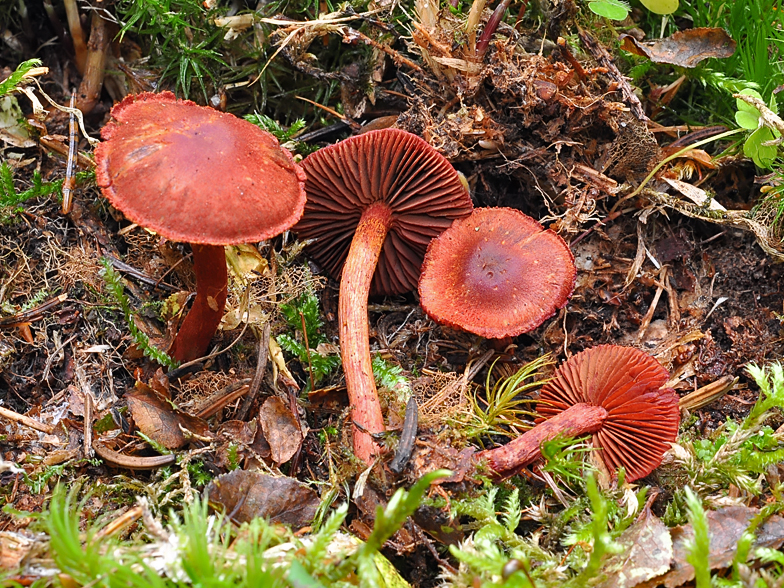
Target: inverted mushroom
(193, 174)
(496, 273)
(374, 203)
(617, 394)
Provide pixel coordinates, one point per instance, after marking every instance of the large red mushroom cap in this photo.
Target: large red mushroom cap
(642, 416)
(496, 273)
(422, 190)
(194, 174)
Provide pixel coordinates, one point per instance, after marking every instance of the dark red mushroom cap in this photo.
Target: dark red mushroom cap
(496, 273)
(423, 191)
(642, 417)
(191, 173)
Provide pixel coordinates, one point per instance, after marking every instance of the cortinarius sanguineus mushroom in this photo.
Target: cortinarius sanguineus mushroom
(374, 203)
(614, 392)
(496, 273)
(194, 174)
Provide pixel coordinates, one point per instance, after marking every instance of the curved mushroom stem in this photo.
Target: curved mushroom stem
(353, 319)
(576, 420)
(209, 265)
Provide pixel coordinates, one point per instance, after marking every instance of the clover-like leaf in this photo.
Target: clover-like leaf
(747, 120)
(612, 9)
(661, 6)
(762, 155)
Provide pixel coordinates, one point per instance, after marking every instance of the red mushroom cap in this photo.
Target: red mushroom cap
(194, 174)
(496, 273)
(423, 191)
(642, 417)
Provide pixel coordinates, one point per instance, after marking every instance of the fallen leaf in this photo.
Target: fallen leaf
(280, 429)
(647, 553)
(684, 48)
(246, 495)
(726, 526)
(159, 420)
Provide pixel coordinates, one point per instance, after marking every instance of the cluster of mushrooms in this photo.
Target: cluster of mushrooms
(387, 213)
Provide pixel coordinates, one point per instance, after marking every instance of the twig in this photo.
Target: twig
(34, 314)
(225, 396)
(261, 367)
(68, 182)
(603, 57)
(25, 420)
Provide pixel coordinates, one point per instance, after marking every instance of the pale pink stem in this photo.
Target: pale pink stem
(507, 460)
(353, 319)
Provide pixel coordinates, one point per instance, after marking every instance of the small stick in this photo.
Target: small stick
(124, 521)
(261, 367)
(567, 55)
(407, 437)
(307, 350)
(68, 182)
(226, 396)
(132, 463)
(88, 422)
(77, 34)
(34, 314)
(95, 64)
(25, 420)
(396, 57)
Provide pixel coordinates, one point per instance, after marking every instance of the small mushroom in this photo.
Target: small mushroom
(374, 203)
(496, 273)
(193, 174)
(616, 393)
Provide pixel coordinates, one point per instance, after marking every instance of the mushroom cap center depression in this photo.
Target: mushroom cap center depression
(497, 275)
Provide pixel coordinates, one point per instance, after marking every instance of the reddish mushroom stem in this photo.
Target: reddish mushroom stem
(193, 339)
(580, 419)
(353, 319)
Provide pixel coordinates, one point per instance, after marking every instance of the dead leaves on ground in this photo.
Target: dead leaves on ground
(245, 495)
(654, 555)
(685, 48)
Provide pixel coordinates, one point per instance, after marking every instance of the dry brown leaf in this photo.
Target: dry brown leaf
(647, 553)
(684, 48)
(280, 429)
(159, 420)
(246, 495)
(726, 526)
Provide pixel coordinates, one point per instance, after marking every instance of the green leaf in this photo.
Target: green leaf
(661, 6)
(747, 120)
(745, 106)
(762, 155)
(612, 9)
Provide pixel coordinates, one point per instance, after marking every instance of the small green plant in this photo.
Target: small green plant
(304, 310)
(501, 413)
(564, 459)
(699, 546)
(183, 40)
(117, 290)
(11, 197)
(11, 83)
(200, 549)
(619, 10)
(759, 145)
(390, 376)
(736, 454)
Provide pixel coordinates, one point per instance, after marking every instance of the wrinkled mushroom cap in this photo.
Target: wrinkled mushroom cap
(421, 188)
(496, 273)
(642, 417)
(191, 173)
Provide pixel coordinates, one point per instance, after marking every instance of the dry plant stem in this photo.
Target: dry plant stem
(580, 419)
(209, 265)
(26, 421)
(77, 34)
(489, 30)
(353, 319)
(95, 64)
